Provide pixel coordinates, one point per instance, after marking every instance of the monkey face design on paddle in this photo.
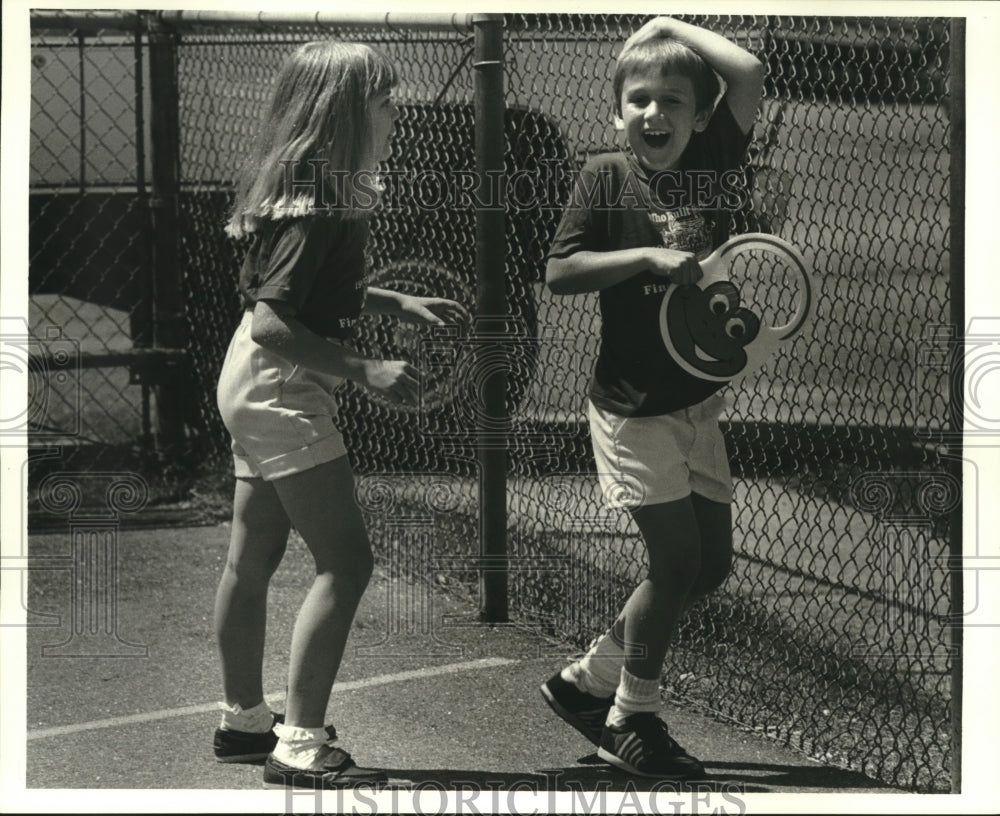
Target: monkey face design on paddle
(710, 330)
(707, 330)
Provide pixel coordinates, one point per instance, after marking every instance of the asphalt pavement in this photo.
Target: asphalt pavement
(426, 691)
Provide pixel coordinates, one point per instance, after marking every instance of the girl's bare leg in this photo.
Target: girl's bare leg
(257, 543)
(320, 503)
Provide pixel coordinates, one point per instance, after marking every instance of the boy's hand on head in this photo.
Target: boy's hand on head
(657, 28)
(741, 71)
(394, 380)
(435, 311)
(681, 267)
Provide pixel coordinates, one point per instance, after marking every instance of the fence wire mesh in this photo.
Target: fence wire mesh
(829, 632)
(90, 266)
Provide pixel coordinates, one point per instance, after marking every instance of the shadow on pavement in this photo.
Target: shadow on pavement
(571, 778)
(592, 774)
(794, 776)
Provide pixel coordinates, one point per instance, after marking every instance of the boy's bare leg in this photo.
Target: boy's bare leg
(634, 738)
(321, 505)
(651, 614)
(715, 534)
(715, 525)
(257, 543)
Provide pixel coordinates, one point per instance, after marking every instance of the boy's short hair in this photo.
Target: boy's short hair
(670, 57)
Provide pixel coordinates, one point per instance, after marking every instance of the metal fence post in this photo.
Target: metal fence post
(169, 329)
(491, 256)
(956, 395)
(143, 321)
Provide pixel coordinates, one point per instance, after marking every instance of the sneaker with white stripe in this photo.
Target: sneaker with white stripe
(643, 746)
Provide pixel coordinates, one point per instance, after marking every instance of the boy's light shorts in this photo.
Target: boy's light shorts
(280, 416)
(651, 460)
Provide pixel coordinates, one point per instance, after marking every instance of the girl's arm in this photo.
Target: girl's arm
(382, 301)
(436, 311)
(276, 329)
(741, 70)
(587, 271)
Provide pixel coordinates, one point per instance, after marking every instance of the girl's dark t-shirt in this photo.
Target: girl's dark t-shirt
(316, 265)
(617, 204)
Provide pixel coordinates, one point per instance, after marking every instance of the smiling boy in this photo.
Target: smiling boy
(660, 206)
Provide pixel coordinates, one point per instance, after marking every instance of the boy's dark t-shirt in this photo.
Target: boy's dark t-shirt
(316, 265)
(617, 204)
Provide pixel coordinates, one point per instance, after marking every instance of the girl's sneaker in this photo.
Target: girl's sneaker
(585, 712)
(251, 746)
(643, 746)
(338, 771)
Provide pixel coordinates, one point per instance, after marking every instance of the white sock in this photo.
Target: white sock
(634, 694)
(303, 748)
(599, 670)
(255, 720)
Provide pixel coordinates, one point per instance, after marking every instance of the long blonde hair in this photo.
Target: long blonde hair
(317, 126)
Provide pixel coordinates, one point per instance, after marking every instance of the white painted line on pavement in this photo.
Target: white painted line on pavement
(339, 688)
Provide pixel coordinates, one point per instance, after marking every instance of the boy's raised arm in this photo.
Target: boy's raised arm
(742, 71)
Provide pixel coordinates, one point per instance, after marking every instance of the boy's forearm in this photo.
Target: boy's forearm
(593, 271)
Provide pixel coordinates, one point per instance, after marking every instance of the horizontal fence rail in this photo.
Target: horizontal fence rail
(832, 632)
(388, 21)
(125, 20)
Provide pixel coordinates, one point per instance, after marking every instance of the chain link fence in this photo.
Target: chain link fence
(830, 633)
(90, 267)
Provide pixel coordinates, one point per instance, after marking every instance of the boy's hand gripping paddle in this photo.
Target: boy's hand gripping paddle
(706, 329)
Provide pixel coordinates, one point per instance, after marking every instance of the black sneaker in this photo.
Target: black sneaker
(643, 746)
(251, 746)
(585, 712)
(338, 771)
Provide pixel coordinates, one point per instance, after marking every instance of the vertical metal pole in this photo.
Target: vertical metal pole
(956, 395)
(141, 325)
(169, 330)
(81, 46)
(491, 313)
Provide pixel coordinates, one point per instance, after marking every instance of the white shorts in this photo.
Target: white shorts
(280, 415)
(651, 460)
